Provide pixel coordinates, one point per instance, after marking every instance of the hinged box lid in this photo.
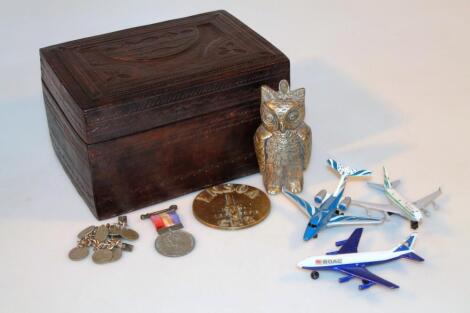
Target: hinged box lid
(117, 84)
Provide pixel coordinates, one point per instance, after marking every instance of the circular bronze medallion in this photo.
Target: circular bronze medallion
(231, 206)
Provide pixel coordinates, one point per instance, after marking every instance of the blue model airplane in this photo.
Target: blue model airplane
(328, 213)
(353, 264)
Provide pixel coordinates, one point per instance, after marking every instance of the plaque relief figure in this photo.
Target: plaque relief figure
(283, 141)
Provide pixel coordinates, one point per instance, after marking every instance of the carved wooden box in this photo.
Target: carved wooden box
(146, 114)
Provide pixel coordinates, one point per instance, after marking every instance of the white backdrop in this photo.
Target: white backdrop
(388, 83)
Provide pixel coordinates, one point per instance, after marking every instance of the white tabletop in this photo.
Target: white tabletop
(388, 83)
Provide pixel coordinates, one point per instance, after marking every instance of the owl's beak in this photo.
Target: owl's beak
(282, 127)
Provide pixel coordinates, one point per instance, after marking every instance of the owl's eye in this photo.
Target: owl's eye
(293, 115)
(269, 118)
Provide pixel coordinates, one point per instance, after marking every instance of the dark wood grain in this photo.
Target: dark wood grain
(154, 73)
(146, 114)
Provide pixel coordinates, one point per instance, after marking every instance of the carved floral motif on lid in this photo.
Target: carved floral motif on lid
(145, 58)
(152, 47)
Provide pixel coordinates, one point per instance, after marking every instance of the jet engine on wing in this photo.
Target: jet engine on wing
(344, 204)
(366, 284)
(320, 196)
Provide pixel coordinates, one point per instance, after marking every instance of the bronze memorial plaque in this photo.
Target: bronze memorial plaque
(231, 206)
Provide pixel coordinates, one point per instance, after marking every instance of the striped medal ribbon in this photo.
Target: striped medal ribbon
(166, 221)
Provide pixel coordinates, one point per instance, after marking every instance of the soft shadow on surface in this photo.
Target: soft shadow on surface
(342, 112)
(339, 106)
(33, 185)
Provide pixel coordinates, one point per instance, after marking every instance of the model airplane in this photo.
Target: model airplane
(328, 213)
(412, 211)
(353, 264)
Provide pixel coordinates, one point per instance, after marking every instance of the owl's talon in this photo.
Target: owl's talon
(296, 190)
(274, 190)
(295, 187)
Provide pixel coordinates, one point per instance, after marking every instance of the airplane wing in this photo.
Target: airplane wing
(425, 201)
(350, 244)
(387, 208)
(381, 186)
(340, 220)
(301, 202)
(364, 274)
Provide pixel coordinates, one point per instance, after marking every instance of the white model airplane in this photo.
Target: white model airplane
(412, 211)
(354, 265)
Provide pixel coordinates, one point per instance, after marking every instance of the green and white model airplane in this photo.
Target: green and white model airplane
(412, 211)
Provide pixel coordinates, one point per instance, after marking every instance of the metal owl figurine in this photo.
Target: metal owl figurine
(283, 141)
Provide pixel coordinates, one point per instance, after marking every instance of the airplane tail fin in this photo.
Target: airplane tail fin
(387, 183)
(407, 244)
(347, 171)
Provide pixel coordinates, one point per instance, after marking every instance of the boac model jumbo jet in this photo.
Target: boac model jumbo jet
(398, 204)
(328, 213)
(353, 264)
